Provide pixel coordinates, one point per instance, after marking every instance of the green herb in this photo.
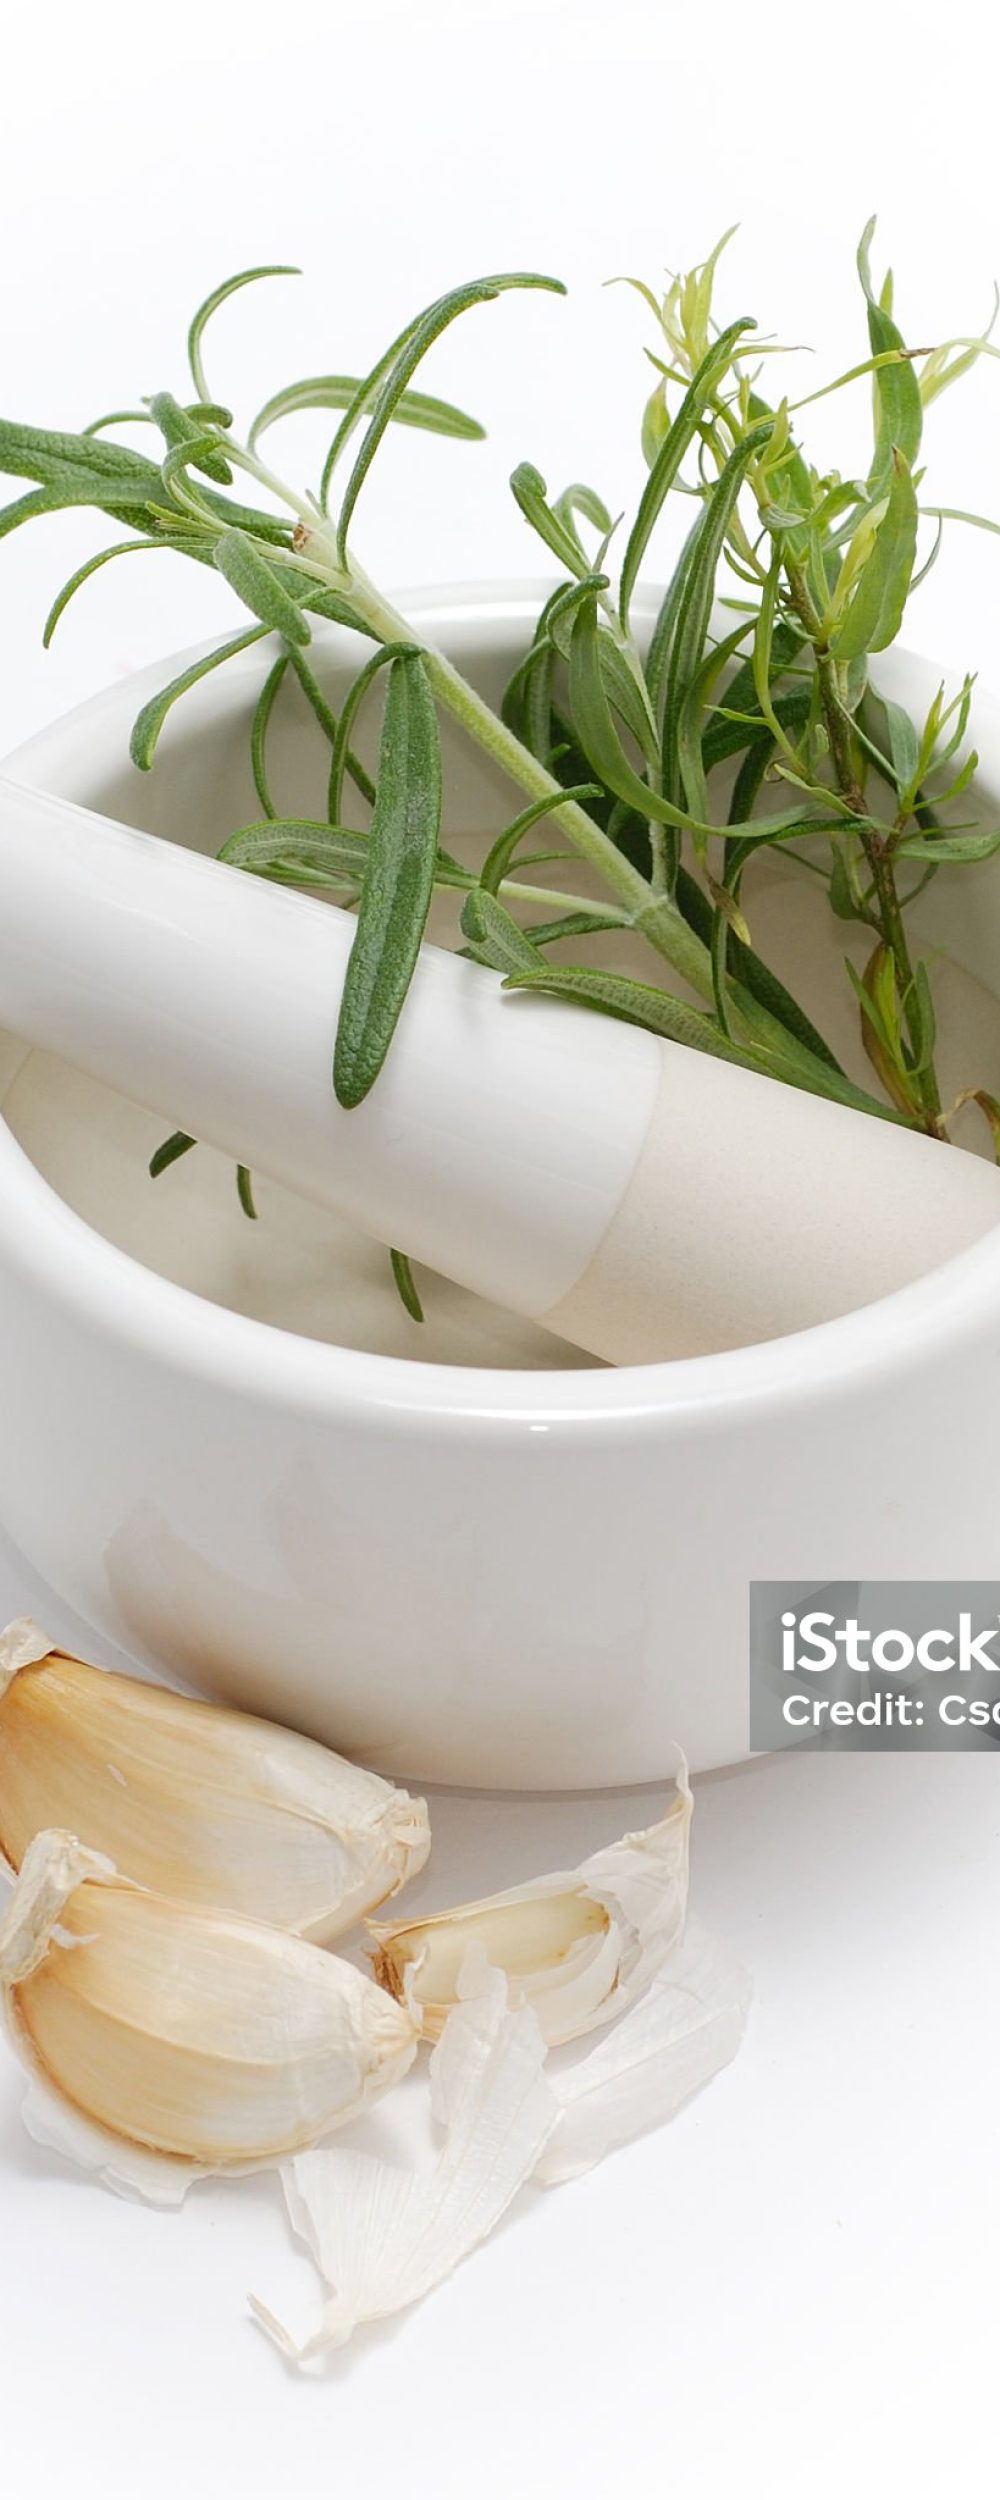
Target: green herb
(398, 881)
(655, 758)
(402, 1274)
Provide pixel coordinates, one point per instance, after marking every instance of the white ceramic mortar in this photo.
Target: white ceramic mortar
(498, 1566)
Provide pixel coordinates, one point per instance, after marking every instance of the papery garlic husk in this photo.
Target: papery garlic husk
(194, 1801)
(575, 1947)
(190, 2031)
(383, 2235)
(673, 2039)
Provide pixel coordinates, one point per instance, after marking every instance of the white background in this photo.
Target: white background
(794, 2290)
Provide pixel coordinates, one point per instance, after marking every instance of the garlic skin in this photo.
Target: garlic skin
(383, 2235)
(674, 2038)
(201, 1803)
(186, 2030)
(578, 1948)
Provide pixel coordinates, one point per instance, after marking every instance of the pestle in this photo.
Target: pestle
(640, 1199)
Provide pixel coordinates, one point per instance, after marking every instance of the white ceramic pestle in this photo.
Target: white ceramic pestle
(640, 1199)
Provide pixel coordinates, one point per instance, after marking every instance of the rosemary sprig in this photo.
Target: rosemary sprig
(655, 760)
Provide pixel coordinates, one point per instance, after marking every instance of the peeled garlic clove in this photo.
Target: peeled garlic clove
(576, 1947)
(187, 2030)
(197, 1802)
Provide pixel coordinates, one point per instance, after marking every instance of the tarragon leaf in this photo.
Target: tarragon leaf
(694, 608)
(899, 411)
(874, 611)
(949, 849)
(675, 445)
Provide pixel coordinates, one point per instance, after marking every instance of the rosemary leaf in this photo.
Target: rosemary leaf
(341, 751)
(105, 555)
(220, 295)
(530, 494)
(413, 347)
(340, 390)
(258, 585)
(295, 851)
(170, 1152)
(178, 426)
(495, 934)
(499, 857)
(398, 884)
(259, 727)
(405, 1287)
(632, 1002)
(146, 729)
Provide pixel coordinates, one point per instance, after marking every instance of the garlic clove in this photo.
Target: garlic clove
(576, 1947)
(185, 2030)
(194, 1801)
(383, 2235)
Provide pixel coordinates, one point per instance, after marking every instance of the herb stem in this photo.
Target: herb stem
(647, 909)
(877, 853)
(656, 915)
(276, 486)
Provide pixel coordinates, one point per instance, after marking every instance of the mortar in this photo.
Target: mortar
(462, 1553)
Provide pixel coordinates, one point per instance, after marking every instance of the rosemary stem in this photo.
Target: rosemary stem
(277, 486)
(655, 915)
